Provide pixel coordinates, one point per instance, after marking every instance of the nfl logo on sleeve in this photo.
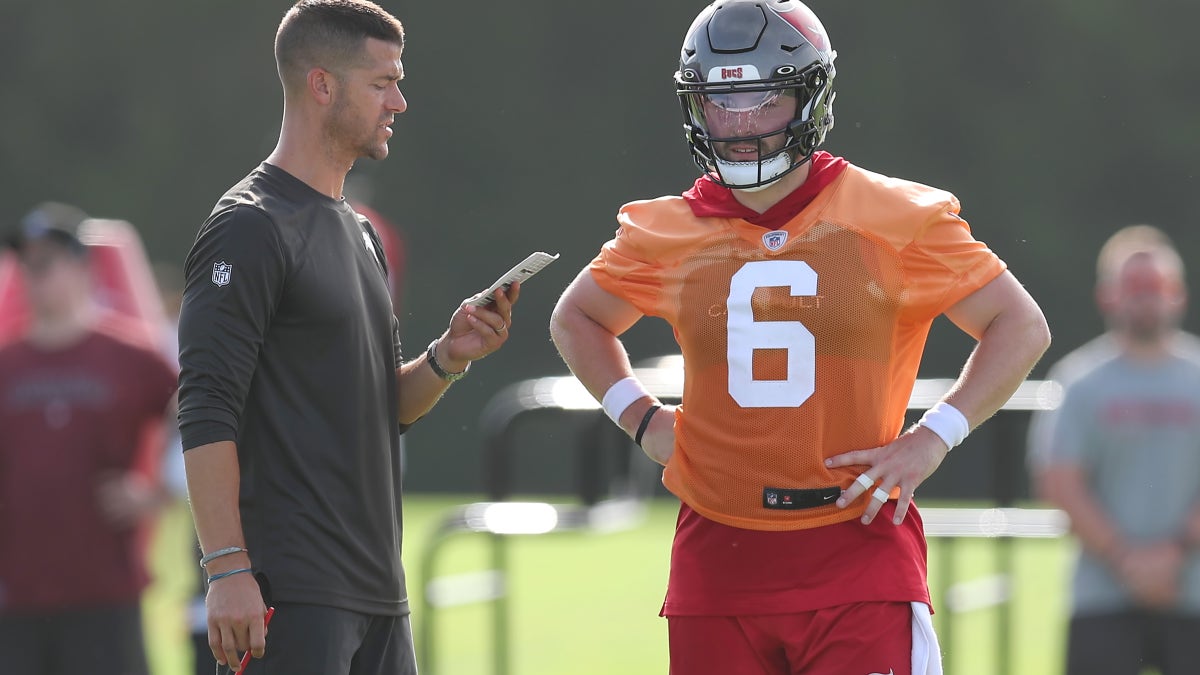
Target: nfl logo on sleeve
(221, 273)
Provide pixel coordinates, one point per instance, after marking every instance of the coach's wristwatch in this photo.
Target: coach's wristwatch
(431, 357)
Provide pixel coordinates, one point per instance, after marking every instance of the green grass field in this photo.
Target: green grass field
(591, 600)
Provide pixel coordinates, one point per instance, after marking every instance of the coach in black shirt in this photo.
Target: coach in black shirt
(293, 392)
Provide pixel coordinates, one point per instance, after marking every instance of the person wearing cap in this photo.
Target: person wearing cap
(77, 400)
(54, 221)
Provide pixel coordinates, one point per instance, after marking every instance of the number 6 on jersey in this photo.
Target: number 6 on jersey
(745, 335)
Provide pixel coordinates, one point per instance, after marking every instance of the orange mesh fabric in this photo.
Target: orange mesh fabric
(799, 353)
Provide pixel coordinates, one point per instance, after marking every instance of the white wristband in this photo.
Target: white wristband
(621, 395)
(947, 422)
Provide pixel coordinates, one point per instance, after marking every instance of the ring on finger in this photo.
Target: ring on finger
(880, 495)
(502, 328)
(865, 481)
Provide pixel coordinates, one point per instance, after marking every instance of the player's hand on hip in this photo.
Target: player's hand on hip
(904, 463)
(659, 440)
(476, 331)
(235, 618)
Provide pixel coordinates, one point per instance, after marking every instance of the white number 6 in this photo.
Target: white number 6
(745, 335)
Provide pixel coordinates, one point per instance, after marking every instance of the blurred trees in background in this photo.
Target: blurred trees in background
(530, 123)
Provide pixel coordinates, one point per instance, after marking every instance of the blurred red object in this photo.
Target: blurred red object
(14, 313)
(393, 249)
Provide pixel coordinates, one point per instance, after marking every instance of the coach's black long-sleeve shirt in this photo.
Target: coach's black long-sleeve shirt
(289, 346)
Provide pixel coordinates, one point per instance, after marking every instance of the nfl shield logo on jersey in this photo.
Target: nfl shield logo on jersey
(772, 498)
(221, 273)
(775, 239)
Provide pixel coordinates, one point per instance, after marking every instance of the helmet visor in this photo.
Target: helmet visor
(743, 114)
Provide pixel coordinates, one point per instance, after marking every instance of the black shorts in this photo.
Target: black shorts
(97, 641)
(317, 640)
(1122, 643)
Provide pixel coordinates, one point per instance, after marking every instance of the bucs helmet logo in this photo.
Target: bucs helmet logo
(222, 271)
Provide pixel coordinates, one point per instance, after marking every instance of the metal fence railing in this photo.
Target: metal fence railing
(1005, 526)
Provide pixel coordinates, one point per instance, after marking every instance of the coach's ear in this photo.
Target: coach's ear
(322, 85)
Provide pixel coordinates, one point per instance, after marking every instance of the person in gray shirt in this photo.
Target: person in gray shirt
(293, 389)
(1121, 456)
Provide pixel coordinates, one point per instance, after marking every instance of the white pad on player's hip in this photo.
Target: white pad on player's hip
(926, 653)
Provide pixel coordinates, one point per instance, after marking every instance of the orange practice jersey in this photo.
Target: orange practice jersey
(799, 343)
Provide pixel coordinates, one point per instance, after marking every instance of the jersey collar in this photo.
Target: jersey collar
(707, 199)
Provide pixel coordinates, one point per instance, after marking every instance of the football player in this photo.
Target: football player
(800, 288)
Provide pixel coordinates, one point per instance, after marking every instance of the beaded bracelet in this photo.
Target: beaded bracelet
(230, 573)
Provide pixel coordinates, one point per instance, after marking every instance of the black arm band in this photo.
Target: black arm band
(641, 430)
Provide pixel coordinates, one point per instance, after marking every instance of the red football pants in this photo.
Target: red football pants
(870, 638)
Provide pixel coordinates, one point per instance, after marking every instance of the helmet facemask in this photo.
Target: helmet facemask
(752, 115)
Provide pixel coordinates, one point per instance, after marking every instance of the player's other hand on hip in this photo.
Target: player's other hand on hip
(659, 440)
(904, 463)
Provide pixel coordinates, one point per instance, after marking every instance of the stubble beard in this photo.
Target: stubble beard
(344, 131)
(1147, 332)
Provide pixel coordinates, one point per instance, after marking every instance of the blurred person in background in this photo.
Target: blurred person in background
(1121, 456)
(78, 398)
(168, 277)
(293, 389)
(801, 289)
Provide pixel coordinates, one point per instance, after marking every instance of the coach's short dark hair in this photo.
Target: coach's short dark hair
(330, 34)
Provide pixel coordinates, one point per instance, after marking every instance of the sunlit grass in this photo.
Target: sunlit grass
(591, 600)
